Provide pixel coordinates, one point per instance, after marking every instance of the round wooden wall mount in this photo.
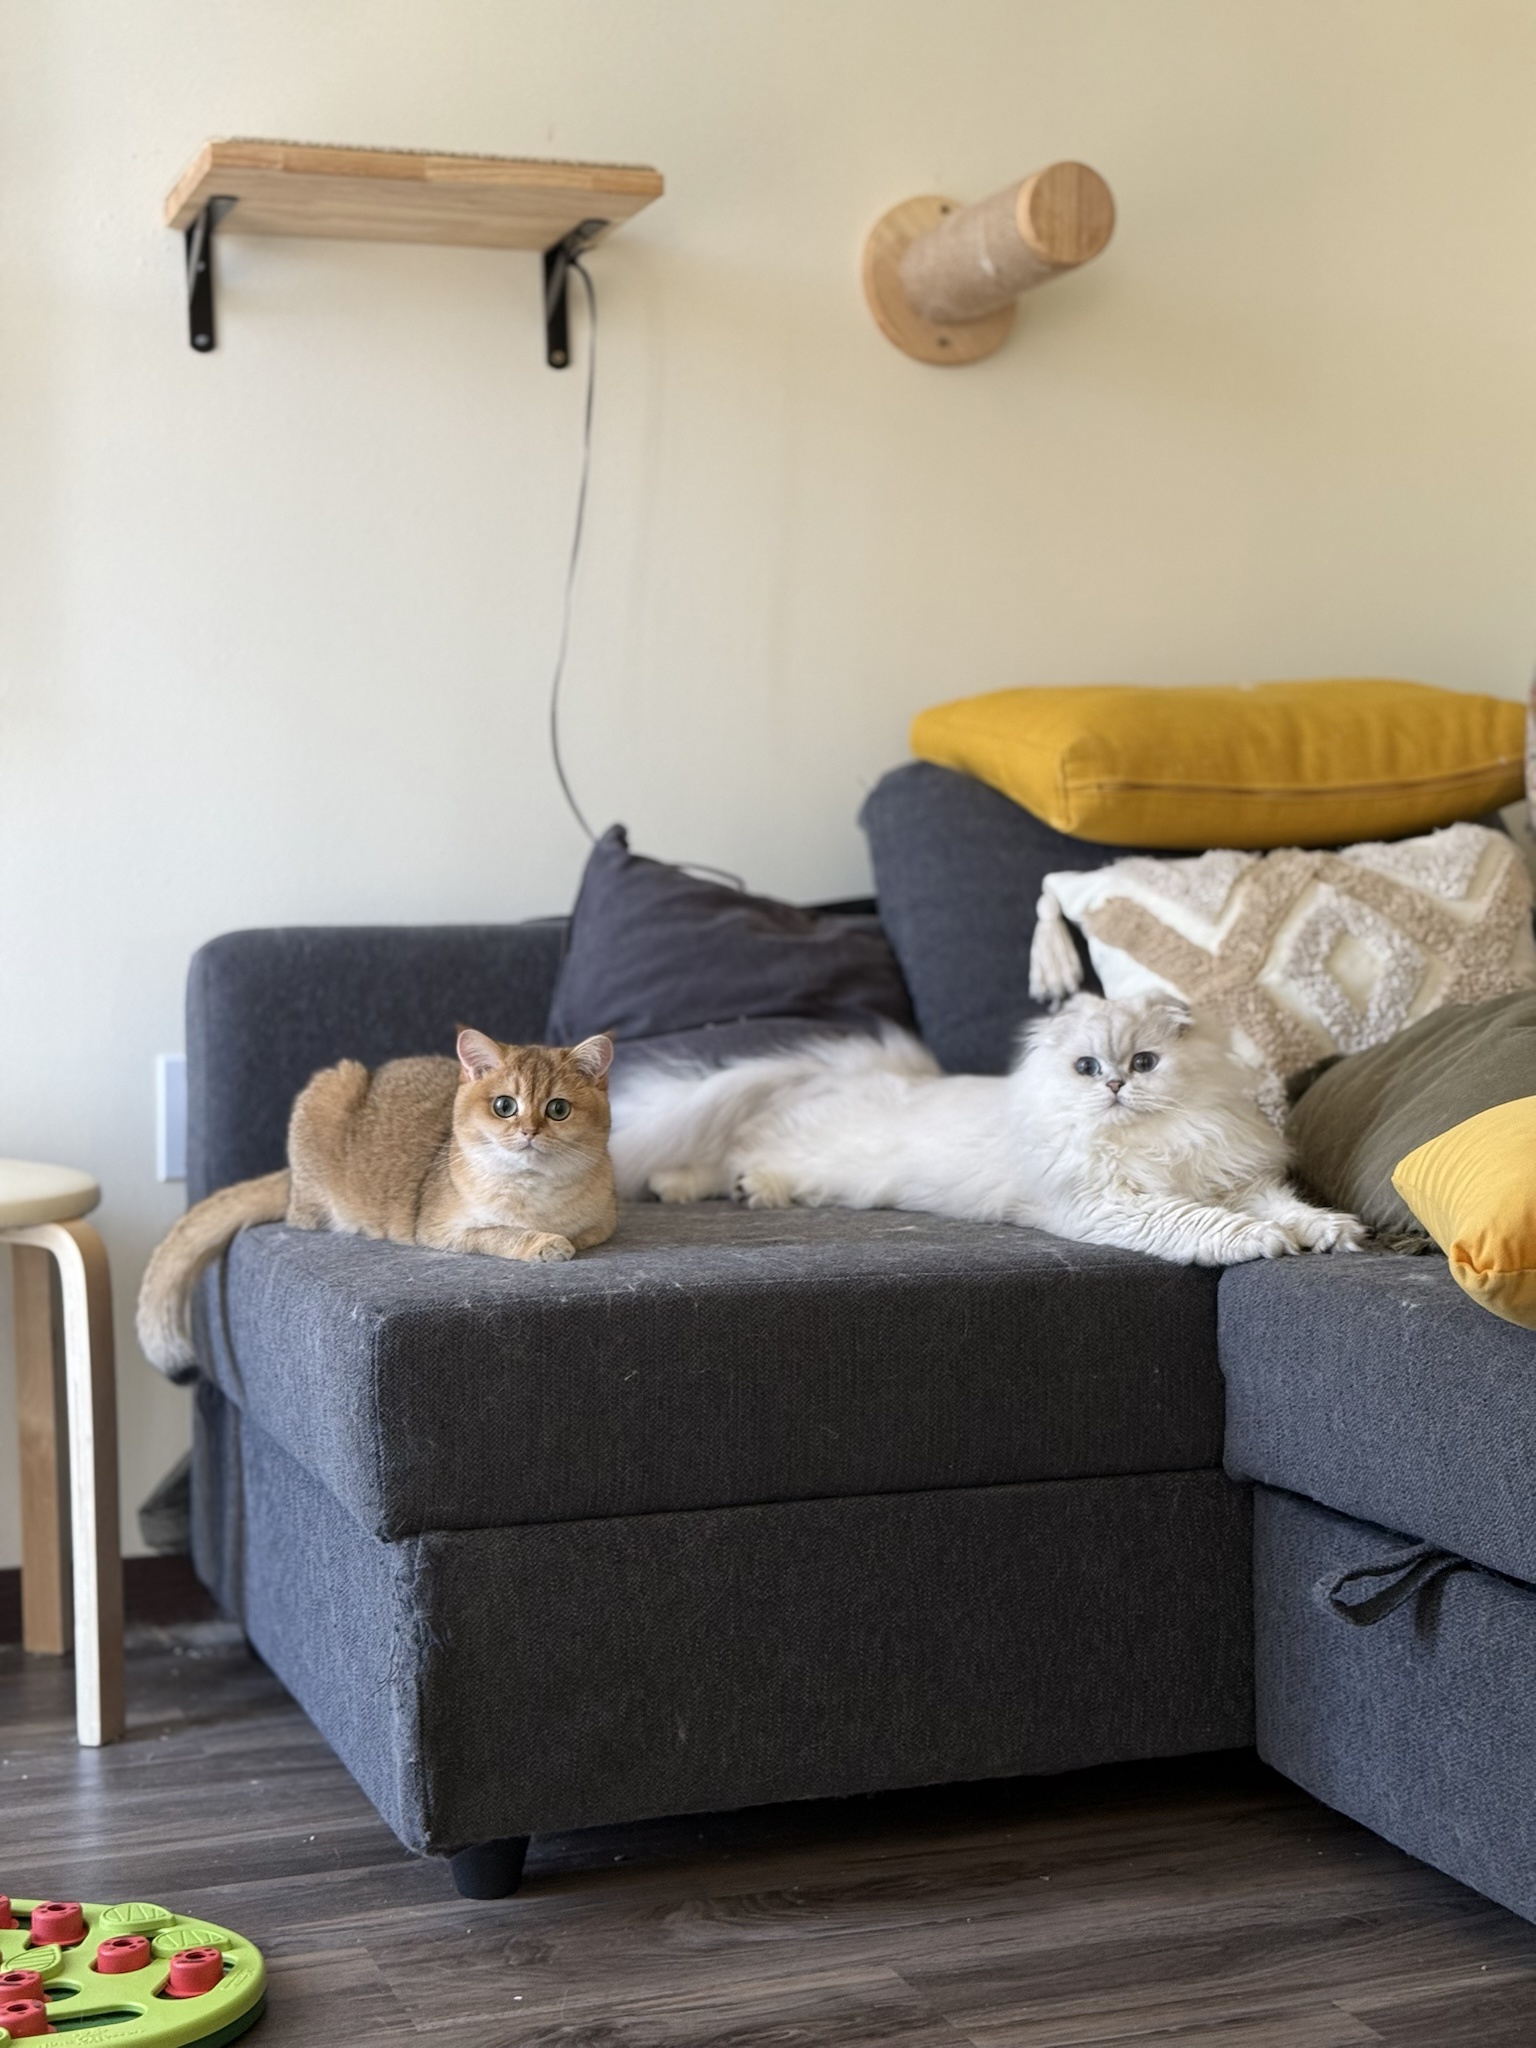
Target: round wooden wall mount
(955, 341)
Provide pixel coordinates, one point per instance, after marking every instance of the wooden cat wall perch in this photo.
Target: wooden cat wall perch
(941, 279)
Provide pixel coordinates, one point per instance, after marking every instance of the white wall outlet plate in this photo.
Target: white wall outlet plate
(170, 1116)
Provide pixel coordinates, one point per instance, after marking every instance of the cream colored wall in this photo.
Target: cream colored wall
(276, 624)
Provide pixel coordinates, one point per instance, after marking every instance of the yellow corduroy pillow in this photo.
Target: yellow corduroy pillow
(1474, 1190)
(1265, 764)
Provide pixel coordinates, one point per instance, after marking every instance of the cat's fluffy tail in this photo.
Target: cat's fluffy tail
(671, 1117)
(165, 1298)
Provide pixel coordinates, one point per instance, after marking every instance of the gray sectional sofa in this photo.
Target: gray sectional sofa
(750, 1506)
(742, 1506)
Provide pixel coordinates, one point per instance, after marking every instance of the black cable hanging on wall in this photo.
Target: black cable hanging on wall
(573, 564)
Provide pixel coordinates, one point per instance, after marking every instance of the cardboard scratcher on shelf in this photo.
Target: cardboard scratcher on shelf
(131, 1976)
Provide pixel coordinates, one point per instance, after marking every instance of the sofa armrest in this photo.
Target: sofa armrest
(266, 1009)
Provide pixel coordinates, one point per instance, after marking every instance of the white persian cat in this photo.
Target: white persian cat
(1122, 1123)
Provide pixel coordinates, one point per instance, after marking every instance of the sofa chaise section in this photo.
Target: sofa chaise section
(504, 1682)
(741, 1506)
(709, 1356)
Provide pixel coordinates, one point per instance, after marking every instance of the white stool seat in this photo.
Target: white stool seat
(43, 1194)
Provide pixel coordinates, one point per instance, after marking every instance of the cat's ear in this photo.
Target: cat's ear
(1039, 1032)
(479, 1055)
(1176, 1012)
(1082, 1004)
(593, 1056)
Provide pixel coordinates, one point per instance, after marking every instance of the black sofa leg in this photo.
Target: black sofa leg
(490, 1870)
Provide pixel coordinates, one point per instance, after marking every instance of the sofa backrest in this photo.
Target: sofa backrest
(266, 1009)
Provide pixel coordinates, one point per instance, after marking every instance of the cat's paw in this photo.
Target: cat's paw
(684, 1184)
(548, 1247)
(760, 1190)
(1259, 1241)
(1331, 1230)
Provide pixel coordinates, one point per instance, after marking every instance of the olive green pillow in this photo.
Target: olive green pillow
(1360, 1116)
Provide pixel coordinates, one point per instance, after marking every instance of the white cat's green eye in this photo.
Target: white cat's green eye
(504, 1105)
(1143, 1062)
(1087, 1066)
(557, 1108)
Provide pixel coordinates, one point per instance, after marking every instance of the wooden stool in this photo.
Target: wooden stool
(40, 1208)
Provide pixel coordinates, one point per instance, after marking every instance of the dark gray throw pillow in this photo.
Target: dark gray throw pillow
(655, 950)
(958, 869)
(1360, 1115)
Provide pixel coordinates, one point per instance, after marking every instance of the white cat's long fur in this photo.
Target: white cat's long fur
(1177, 1161)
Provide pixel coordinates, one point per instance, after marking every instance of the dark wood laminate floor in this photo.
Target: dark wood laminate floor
(1207, 1902)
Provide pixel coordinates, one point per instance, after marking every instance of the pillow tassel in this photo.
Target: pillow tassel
(1055, 971)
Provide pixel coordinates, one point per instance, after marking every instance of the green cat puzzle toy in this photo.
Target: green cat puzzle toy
(124, 1976)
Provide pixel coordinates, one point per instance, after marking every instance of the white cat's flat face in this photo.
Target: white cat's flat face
(1119, 1060)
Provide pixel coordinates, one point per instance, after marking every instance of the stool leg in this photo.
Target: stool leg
(45, 1597)
(91, 1384)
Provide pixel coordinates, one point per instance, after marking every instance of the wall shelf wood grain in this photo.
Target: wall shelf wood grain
(241, 186)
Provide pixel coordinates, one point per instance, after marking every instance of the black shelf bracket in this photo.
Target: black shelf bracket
(557, 277)
(200, 272)
(557, 272)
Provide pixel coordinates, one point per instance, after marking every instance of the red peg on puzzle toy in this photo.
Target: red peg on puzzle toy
(7, 1917)
(194, 1971)
(23, 2018)
(58, 1920)
(16, 1984)
(122, 1953)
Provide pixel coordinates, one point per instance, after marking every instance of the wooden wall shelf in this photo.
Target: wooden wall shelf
(398, 195)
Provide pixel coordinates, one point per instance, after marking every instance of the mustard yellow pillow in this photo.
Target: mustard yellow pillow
(1265, 764)
(1474, 1190)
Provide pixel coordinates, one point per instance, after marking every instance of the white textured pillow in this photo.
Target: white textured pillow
(1302, 954)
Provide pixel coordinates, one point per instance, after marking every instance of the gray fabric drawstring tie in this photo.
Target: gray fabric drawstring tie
(1397, 1580)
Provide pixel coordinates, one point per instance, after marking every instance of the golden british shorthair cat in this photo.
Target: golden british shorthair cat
(505, 1152)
